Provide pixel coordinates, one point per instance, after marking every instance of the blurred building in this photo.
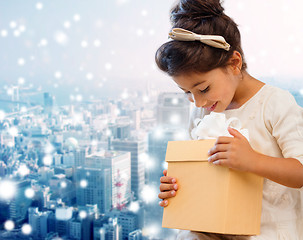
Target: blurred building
(135, 235)
(38, 222)
(79, 154)
(111, 230)
(48, 102)
(19, 204)
(136, 148)
(119, 164)
(172, 110)
(128, 221)
(93, 186)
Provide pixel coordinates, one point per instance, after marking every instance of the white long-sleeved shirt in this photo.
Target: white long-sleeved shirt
(275, 125)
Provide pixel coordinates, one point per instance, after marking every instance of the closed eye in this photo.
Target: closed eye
(205, 90)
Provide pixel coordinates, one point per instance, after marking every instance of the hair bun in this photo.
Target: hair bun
(196, 9)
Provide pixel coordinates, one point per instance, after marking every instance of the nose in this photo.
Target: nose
(199, 100)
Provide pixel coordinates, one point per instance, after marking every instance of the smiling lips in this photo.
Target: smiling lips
(212, 108)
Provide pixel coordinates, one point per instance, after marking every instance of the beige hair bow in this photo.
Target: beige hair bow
(216, 41)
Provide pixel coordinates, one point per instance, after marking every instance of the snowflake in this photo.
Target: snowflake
(21, 61)
(23, 170)
(9, 225)
(26, 229)
(84, 44)
(7, 189)
(61, 38)
(144, 13)
(43, 42)
(16, 33)
(79, 98)
(66, 24)
(134, 207)
(13, 24)
(175, 119)
(29, 193)
(48, 160)
(124, 95)
(13, 131)
(83, 183)
(151, 230)
(77, 17)
(58, 74)
(4, 33)
(63, 184)
(149, 194)
(22, 28)
(39, 6)
(89, 76)
(21, 81)
(108, 66)
(82, 214)
(97, 43)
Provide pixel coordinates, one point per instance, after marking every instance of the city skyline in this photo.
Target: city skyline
(85, 115)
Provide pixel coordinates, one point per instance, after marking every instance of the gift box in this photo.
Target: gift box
(210, 198)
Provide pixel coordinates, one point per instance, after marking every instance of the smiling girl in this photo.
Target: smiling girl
(206, 61)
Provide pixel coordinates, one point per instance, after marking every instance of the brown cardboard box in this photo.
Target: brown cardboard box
(210, 198)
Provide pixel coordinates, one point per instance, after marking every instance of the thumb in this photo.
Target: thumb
(234, 132)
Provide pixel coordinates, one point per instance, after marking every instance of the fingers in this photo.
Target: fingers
(167, 194)
(218, 148)
(168, 180)
(163, 203)
(218, 156)
(224, 140)
(168, 187)
(235, 133)
(221, 162)
(167, 190)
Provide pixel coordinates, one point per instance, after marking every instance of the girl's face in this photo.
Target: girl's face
(214, 90)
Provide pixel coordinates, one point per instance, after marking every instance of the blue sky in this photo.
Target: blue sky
(104, 47)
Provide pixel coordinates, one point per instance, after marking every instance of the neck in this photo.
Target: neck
(247, 88)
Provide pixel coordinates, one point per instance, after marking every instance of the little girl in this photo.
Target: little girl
(206, 61)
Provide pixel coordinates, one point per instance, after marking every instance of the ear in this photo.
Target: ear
(235, 62)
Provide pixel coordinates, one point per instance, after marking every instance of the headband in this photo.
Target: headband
(216, 41)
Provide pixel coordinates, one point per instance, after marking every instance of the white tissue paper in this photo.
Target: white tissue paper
(215, 125)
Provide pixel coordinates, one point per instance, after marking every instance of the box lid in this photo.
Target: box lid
(191, 150)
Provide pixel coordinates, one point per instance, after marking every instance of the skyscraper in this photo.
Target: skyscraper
(20, 203)
(136, 148)
(93, 186)
(48, 102)
(79, 154)
(119, 164)
(38, 222)
(128, 221)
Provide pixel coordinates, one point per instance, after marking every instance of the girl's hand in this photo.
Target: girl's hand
(168, 188)
(233, 152)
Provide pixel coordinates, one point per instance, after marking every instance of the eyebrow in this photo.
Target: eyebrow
(196, 84)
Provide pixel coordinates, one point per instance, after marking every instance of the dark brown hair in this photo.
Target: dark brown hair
(201, 17)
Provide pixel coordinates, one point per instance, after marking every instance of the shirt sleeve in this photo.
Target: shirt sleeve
(285, 121)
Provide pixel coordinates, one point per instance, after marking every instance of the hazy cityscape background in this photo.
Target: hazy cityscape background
(85, 115)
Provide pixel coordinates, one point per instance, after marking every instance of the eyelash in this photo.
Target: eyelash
(205, 90)
(202, 91)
